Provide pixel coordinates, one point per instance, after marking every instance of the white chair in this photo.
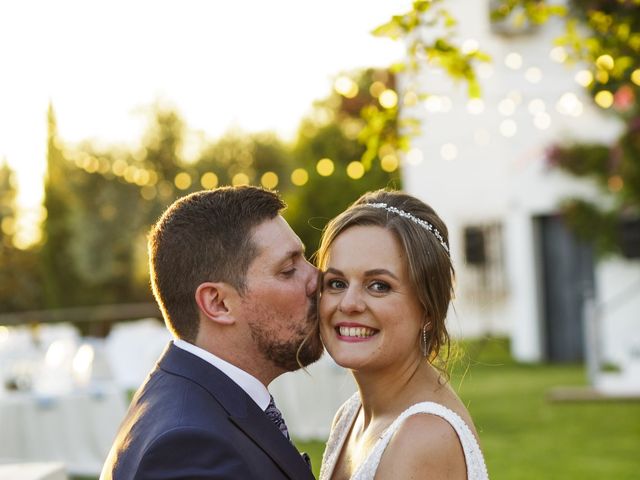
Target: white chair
(133, 348)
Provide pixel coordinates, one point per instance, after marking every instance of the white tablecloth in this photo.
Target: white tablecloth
(33, 471)
(75, 429)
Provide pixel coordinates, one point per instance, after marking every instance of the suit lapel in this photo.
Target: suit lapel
(258, 426)
(242, 410)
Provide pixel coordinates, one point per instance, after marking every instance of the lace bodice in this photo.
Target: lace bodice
(476, 469)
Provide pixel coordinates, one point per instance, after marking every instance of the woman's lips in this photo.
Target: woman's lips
(353, 332)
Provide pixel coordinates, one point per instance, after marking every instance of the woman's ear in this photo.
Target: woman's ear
(212, 298)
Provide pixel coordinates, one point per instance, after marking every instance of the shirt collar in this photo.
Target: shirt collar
(250, 384)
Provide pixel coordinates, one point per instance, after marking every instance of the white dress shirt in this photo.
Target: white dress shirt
(250, 384)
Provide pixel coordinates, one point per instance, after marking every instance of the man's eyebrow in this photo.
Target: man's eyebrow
(369, 273)
(296, 252)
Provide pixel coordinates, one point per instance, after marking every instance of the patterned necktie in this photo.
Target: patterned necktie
(276, 417)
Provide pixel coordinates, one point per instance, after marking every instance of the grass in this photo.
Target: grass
(526, 437)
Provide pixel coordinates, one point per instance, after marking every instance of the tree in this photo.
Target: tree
(60, 279)
(20, 282)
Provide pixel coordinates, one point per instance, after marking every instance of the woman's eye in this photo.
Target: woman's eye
(379, 287)
(336, 284)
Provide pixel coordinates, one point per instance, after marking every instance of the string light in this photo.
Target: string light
(605, 62)
(269, 180)
(377, 88)
(355, 170)
(388, 98)
(389, 163)
(209, 180)
(148, 192)
(508, 127)
(533, 75)
(584, 78)
(182, 181)
(299, 177)
(558, 54)
(513, 60)
(475, 106)
(470, 46)
(240, 179)
(346, 87)
(569, 104)
(604, 98)
(536, 106)
(635, 76)
(506, 107)
(449, 151)
(410, 99)
(542, 120)
(325, 167)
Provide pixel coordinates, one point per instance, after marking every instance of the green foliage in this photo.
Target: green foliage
(523, 12)
(592, 224)
(429, 30)
(604, 35)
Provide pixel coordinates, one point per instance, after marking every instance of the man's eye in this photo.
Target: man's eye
(379, 287)
(289, 273)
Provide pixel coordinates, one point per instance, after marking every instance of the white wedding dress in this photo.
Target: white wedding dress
(476, 469)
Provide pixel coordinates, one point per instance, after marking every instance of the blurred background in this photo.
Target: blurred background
(517, 120)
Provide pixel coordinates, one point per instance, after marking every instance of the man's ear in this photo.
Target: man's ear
(212, 299)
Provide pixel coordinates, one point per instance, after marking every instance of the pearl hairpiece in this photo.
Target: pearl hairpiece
(423, 223)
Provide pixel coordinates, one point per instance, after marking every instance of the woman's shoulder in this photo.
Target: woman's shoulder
(424, 443)
(440, 442)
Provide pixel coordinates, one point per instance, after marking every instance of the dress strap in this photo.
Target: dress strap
(476, 468)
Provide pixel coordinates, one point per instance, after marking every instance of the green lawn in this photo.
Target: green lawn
(524, 436)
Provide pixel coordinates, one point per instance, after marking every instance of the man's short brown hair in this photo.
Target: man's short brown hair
(204, 237)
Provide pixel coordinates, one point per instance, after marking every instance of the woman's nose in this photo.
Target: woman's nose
(351, 301)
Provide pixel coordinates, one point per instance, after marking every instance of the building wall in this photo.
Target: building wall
(474, 169)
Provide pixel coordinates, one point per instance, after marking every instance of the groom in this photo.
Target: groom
(237, 294)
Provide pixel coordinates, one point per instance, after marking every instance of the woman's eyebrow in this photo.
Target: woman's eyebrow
(379, 271)
(369, 273)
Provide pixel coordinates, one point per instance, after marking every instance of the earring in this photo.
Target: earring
(424, 346)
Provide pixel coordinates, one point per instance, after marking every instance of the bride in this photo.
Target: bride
(387, 284)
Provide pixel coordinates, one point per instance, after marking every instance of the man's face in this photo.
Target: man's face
(280, 297)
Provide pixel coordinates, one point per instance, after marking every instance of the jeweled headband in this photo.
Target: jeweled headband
(423, 223)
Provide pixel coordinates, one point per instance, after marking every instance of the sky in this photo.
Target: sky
(249, 64)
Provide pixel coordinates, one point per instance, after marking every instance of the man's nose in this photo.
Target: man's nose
(312, 283)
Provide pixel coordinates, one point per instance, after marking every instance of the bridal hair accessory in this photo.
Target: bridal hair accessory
(423, 223)
(423, 343)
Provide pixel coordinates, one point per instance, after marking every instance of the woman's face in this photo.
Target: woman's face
(370, 316)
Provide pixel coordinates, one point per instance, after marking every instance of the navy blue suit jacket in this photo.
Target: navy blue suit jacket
(190, 421)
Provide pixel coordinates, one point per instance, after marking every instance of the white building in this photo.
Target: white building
(482, 166)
